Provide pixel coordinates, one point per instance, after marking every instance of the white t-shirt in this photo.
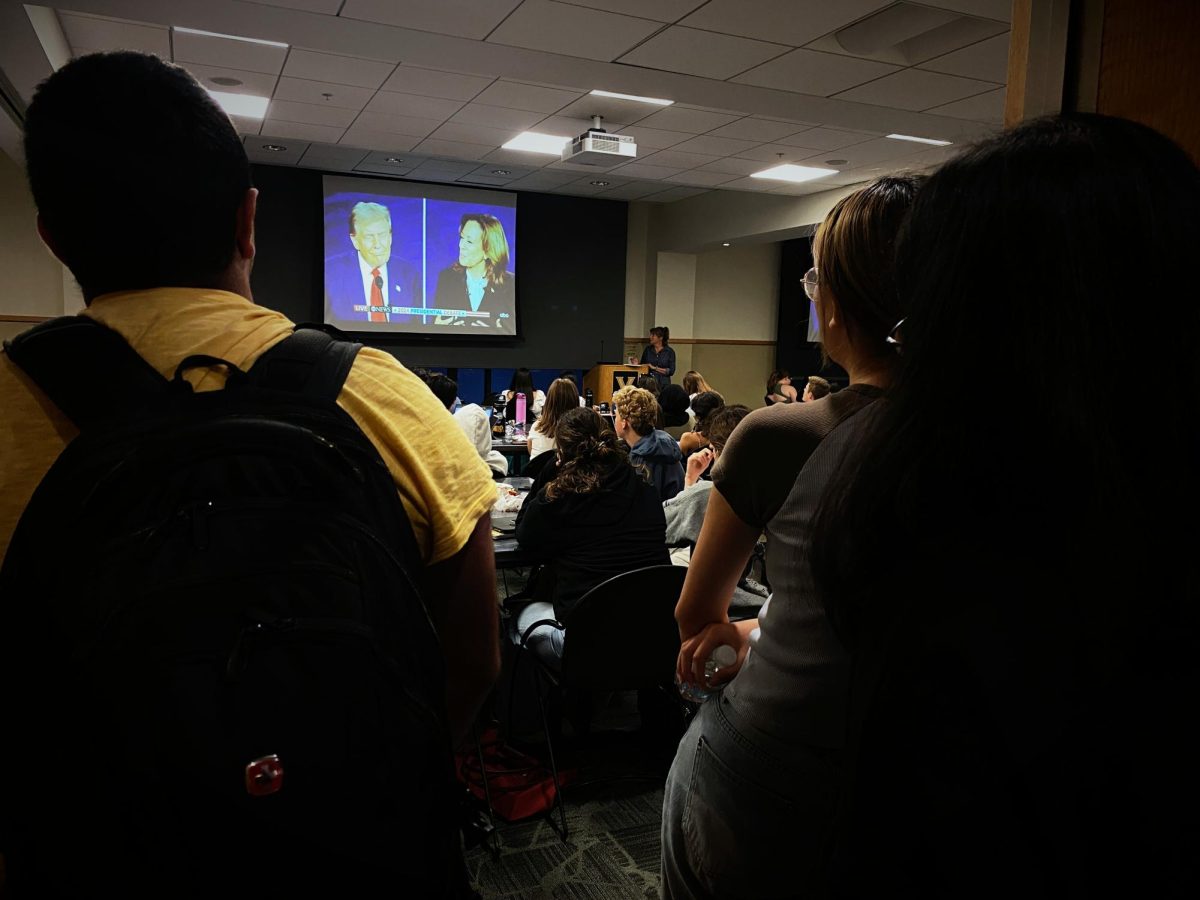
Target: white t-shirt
(539, 443)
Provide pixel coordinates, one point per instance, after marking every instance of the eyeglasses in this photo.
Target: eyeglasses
(895, 338)
(811, 281)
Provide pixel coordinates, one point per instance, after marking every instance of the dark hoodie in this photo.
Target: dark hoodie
(589, 538)
(659, 454)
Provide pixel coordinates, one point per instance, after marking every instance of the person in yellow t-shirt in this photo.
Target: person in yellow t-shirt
(179, 284)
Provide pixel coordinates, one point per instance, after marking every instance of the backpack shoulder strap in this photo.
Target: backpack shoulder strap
(311, 361)
(88, 370)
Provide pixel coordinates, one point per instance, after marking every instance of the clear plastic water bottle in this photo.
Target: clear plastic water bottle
(721, 658)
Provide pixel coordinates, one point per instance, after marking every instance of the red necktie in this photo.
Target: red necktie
(376, 297)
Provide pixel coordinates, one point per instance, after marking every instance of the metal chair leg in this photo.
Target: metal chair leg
(558, 797)
(492, 841)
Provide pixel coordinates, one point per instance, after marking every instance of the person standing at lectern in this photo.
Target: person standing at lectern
(659, 356)
(364, 286)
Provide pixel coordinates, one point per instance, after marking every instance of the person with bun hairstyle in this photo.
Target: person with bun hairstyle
(635, 412)
(750, 799)
(596, 518)
(704, 405)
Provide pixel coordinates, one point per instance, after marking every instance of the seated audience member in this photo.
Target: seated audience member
(562, 397)
(694, 383)
(522, 383)
(570, 376)
(675, 416)
(1022, 600)
(755, 777)
(779, 388)
(655, 451)
(472, 419)
(703, 406)
(112, 141)
(685, 511)
(815, 388)
(597, 517)
(649, 383)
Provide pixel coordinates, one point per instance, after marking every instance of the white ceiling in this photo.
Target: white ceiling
(431, 89)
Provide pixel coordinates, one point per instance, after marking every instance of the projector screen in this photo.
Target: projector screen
(419, 259)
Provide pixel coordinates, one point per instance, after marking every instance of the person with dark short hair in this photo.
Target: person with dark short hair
(144, 192)
(659, 355)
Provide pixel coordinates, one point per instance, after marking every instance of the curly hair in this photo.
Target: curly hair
(589, 450)
(638, 407)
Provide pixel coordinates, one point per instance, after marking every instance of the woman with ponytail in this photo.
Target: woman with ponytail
(596, 518)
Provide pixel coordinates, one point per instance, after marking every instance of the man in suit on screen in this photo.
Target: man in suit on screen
(366, 285)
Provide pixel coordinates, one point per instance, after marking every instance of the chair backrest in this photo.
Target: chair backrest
(623, 635)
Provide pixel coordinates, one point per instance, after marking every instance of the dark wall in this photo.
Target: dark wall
(794, 352)
(570, 276)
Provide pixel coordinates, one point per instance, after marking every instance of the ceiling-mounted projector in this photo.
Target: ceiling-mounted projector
(596, 147)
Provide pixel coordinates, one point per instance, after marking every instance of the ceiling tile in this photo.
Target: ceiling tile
(808, 187)
(367, 73)
(394, 104)
(826, 138)
(332, 156)
(659, 10)
(732, 166)
(211, 50)
(496, 117)
(643, 170)
(675, 193)
(305, 91)
(456, 149)
(915, 89)
(302, 131)
(755, 129)
(1000, 10)
(245, 125)
(758, 185)
(776, 153)
(580, 167)
(810, 72)
(463, 18)
(868, 153)
(519, 158)
(256, 83)
(674, 159)
(585, 186)
(433, 83)
(544, 180)
(702, 53)
(475, 134)
(490, 180)
(97, 33)
(310, 113)
(289, 156)
(516, 95)
(388, 158)
(393, 171)
(654, 138)
(360, 136)
(987, 60)
(569, 127)
(634, 190)
(611, 108)
(411, 126)
(514, 171)
(328, 7)
(715, 146)
(454, 166)
(571, 30)
(793, 22)
(987, 107)
(702, 179)
(682, 118)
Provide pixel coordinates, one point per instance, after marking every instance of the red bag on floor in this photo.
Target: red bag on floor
(521, 786)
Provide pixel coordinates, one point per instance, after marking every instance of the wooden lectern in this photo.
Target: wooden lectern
(606, 379)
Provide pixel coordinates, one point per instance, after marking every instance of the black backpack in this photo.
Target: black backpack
(217, 673)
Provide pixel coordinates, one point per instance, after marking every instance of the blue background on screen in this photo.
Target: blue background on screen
(406, 227)
(442, 220)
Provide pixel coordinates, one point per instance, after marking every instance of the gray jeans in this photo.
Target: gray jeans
(744, 815)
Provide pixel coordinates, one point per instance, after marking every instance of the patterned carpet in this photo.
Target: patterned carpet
(612, 852)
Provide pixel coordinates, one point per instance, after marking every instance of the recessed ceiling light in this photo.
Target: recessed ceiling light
(725, 244)
(241, 104)
(536, 142)
(789, 172)
(600, 183)
(228, 37)
(501, 172)
(274, 148)
(394, 159)
(654, 100)
(835, 162)
(225, 81)
(919, 140)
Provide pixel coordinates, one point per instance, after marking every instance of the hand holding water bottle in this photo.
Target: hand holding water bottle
(696, 652)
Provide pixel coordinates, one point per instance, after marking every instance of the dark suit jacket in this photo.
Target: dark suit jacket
(452, 294)
(344, 290)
